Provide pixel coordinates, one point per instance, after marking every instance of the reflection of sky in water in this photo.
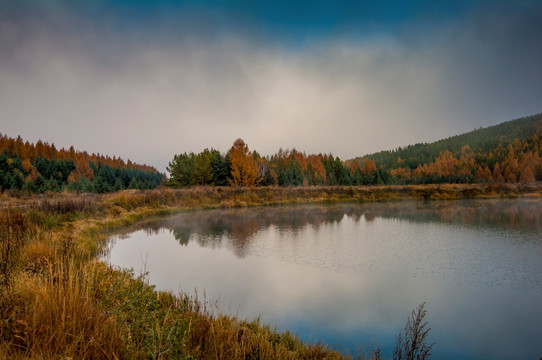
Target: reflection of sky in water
(349, 275)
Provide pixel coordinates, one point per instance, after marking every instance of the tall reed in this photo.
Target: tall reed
(12, 233)
(64, 320)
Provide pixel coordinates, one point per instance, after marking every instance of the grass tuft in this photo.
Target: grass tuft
(64, 320)
(12, 238)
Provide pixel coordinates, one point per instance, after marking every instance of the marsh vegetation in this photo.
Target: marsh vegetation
(58, 300)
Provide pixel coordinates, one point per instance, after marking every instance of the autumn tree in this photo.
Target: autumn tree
(316, 170)
(266, 173)
(482, 174)
(46, 168)
(244, 168)
(497, 176)
(527, 175)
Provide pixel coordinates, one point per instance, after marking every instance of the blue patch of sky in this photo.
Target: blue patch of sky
(291, 21)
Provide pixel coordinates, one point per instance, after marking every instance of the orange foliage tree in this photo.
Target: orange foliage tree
(244, 168)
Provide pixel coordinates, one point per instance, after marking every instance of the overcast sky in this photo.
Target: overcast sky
(145, 80)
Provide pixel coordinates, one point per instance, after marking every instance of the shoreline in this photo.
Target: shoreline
(54, 284)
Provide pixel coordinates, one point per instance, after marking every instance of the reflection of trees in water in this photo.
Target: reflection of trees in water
(370, 215)
(518, 214)
(181, 235)
(210, 228)
(153, 228)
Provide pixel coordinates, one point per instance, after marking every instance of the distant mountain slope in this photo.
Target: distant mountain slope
(482, 140)
(509, 152)
(41, 167)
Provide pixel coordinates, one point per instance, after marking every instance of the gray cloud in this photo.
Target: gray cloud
(148, 94)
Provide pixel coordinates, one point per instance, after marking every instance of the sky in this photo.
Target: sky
(148, 79)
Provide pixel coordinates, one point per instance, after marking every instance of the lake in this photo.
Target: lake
(349, 275)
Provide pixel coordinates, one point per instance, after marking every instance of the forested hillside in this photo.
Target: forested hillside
(508, 152)
(41, 167)
(481, 140)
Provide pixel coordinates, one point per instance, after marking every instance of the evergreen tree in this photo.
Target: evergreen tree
(133, 183)
(221, 169)
(203, 171)
(181, 170)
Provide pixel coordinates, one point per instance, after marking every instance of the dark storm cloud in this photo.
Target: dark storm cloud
(144, 84)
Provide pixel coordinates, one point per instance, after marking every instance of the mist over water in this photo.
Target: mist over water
(349, 275)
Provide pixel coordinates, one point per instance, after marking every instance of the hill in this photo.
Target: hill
(41, 167)
(503, 153)
(481, 140)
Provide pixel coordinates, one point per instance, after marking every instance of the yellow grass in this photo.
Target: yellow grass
(58, 302)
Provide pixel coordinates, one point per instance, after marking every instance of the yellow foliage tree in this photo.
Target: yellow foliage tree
(244, 168)
(527, 175)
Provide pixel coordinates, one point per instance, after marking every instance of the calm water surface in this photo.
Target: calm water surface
(349, 275)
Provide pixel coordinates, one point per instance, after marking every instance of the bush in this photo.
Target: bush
(412, 340)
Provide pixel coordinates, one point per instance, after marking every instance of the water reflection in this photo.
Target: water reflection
(242, 225)
(350, 274)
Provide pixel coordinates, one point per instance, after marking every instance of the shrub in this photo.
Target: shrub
(412, 340)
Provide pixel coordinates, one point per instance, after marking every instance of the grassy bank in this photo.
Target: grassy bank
(58, 301)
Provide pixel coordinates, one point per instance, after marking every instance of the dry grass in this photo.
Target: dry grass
(38, 256)
(66, 203)
(212, 197)
(12, 237)
(57, 302)
(224, 337)
(63, 320)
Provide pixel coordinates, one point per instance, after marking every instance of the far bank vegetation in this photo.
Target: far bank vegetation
(510, 153)
(507, 153)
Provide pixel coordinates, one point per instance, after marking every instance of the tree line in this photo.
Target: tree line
(242, 167)
(41, 167)
(497, 157)
(510, 152)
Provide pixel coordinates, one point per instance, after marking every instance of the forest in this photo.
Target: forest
(510, 152)
(40, 167)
